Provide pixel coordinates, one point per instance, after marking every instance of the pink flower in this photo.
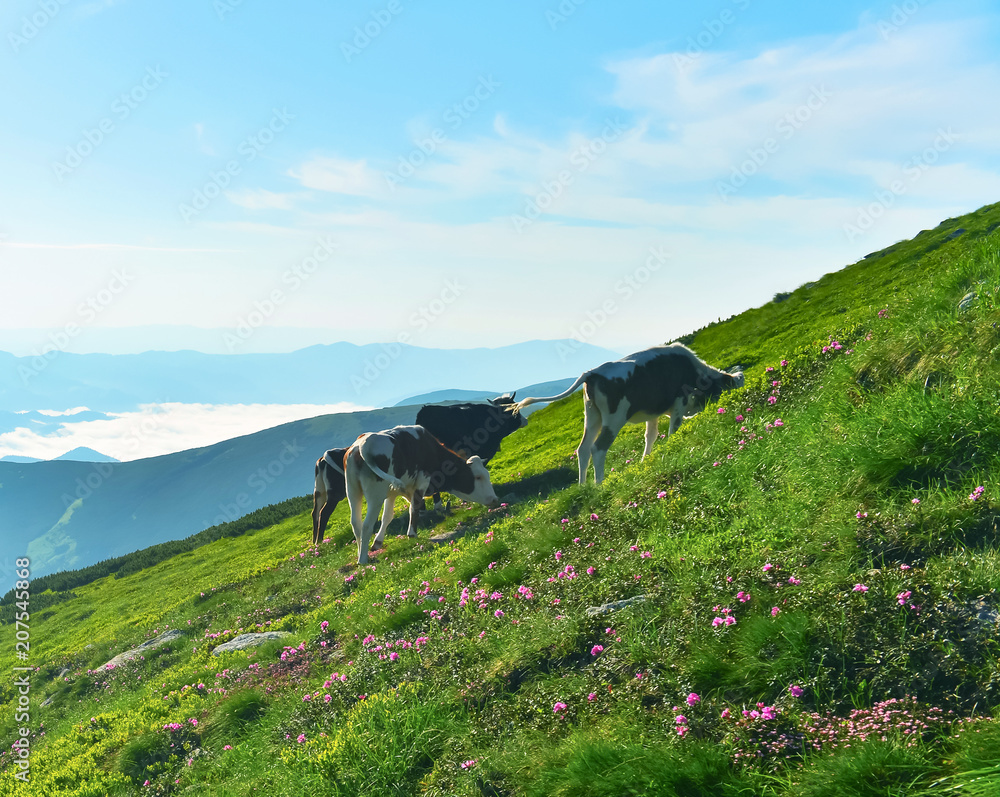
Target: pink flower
(592, 697)
(301, 738)
(327, 698)
(903, 597)
(558, 706)
(860, 588)
(692, 699)
(468, 764)
(715, 464)
(730, 620)
(784, 363)
(739, 418)
(596, 649)
(717, 622)
(742, 596)
(793, 580)
(904, 567)
(861, 515)
(721, 410)
(323, 626)
(974, 495)
(778, 422)
(775, 611)
(772, 399)
(767, 567)
(593, 516)
(393, 656)
(663, 493)
(795, 691)
(590, 571)
(725, 714)
(558, 555)
(915, 501)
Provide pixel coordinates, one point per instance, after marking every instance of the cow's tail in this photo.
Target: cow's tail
(395, 483)
(525, 402)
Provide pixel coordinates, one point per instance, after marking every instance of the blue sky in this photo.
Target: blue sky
(469, 173)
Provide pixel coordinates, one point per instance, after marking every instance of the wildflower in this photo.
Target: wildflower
(558, 555)
(593, 516)
(721, 410)
(468, 764)
(596, 649)
(772, 400)
(730, 620)
(903, 597)
(663, 493)
(323, 626)
(904, 567)
(692, 699)
(742, 596)
(725, 714)
(784, 363)
(767, 567)
(592, 697)
(590, 571)
(393, 656)
(974, 495)
(646, 554)
(778, 422)
(794, 581)
(224, 747)
(558, 706)
(775, 611)
(915, 501)
(739, 418)
(327, 698)
(860, 588)
(795, 691)
(680, 719)
(301, 738)
(861, 515)
(716, 464)
(498, 613)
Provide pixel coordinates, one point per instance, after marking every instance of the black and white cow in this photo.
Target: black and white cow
(664, 380)
(330, 490)
(407, 461)
(472, 429)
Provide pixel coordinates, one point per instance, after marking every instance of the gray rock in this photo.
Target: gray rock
(244, 641)
(163, 639)
(607, 608)
(967, 300)
(448, 536)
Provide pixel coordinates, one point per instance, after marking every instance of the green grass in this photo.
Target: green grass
(474, 668)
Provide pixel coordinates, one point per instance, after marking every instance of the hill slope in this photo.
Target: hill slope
(811, 581)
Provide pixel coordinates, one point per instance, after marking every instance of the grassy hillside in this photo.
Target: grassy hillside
(811, 569)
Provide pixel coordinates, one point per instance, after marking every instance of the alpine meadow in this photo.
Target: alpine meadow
(794, 595)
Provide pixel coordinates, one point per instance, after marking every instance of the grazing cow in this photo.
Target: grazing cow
(668, 379)
(330, 490)
(472, 429)
(406, 461)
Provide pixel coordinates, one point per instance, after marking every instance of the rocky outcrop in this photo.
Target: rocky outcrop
(163, 639)
(244, 641)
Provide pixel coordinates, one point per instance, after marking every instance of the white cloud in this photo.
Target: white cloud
(340, 176)
(156, 429)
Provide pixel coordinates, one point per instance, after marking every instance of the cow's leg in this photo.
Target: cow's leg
(324, 519)
(609, 431)
(388, 510)
(415, 503)
(676, 415)
(591, 428)
(355, 495)
(375, 495)
(652, 429)
(319, 504)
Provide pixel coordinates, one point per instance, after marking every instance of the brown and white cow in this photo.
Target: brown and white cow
(664, 380)
(330, 490)
(407, 461)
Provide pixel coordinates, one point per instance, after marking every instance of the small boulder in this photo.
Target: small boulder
(165, 638)
(607, 608)
(244, 641)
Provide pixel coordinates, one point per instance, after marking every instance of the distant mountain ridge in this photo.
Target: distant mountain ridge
(377, 375)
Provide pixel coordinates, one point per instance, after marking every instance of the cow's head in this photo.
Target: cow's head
(482, 491)
(504, 400)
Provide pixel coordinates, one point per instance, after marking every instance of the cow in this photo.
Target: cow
(330, 490)
(406, 461)
(668, 379)
(472, 429)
